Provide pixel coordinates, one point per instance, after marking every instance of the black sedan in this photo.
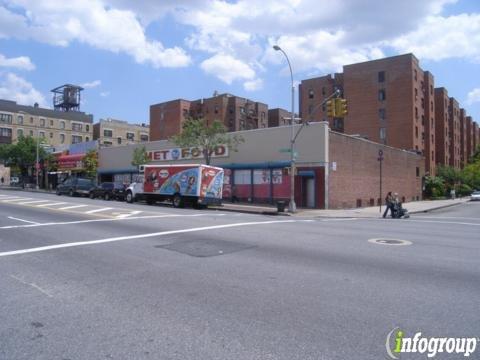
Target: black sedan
(107, 191)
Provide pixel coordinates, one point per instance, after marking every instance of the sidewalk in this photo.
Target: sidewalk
(413, 207)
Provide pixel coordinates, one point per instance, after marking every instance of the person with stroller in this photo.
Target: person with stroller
(398, 211)
(389, 202)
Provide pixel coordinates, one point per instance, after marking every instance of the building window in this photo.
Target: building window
(311, 94)
(143, 137)
(433, 156)
(107, 133)
(31, 132)
(42, 122)
(417, 171)
(51, 123)
(51, 135)
(242, 110)
(381, 76)
(431, 105)
(416, 112)
(324, 107)
(87, 138)
(107, 143)
(423, 120)
(77, 127)
(41, 134)
(431, 89)
(62, 124)
(76, 139)
(416, 132)
(87, 128)
(383, 134)
(382, 95)
(423, 103)
(20, 120)
(5, 132)
(323, 90)
(310, 109)
(119, 140)
(262, 115)
(130, 136)
(382, 114)
(415, 74)
(6, 118)
(62, 138)
(19, 133)
(215, 109)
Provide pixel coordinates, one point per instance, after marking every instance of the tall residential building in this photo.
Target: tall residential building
(463, 138)
(476, 136)
(469, 137)
(454, 132)
(278, 117)
(236, 113)
(57, 128)
(442, 127)
(112, 132)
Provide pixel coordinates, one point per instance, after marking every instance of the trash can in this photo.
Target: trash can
(281, 206)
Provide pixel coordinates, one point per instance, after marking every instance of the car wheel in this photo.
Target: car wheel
(129, 197)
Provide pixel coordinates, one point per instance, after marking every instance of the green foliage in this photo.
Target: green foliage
(463, 190)
(22, 155)
(434, 187)
(90, 163)
(197, 133)
(140, 156)
(450, 176)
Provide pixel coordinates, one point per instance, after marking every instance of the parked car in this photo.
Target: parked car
(75, 186)
(475, 196)
(107, 191)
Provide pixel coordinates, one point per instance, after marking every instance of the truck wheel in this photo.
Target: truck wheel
(129, 197)
(177, 201)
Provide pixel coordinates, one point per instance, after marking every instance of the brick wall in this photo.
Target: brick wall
(357, 172)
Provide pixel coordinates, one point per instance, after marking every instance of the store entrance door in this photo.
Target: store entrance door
(310, 192)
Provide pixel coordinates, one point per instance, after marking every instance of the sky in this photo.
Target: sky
(129, 55)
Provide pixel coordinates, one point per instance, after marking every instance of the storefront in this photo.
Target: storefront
(258, 171)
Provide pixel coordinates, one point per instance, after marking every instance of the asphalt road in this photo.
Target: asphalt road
(90, 279)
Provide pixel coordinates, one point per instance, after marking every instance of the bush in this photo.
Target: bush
(463, 190)
(434, 187)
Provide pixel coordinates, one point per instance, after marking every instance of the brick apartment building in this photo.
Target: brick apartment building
(278, 117)
(112, 132)
(463, 138)
(236, 113)
(392, 101)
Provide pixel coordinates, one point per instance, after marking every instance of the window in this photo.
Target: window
(215, 109)
(42, 122)
(230, 110)
(417, 171)
(20, 119)
(41, 134)
(130, 136)
(107, 133)
(31, 119)
(382, 95)
(119, 140)
(51, 135)
(310, 109)
(242, 110)
(415, 74)
(51, 123)
(31, 132)
(19, 133)
(381, 76)
(6, 132)
(62, 138)
(107, 143)
(62, 124)
(382, 114)
(77, 127)
(323, 90)
(431, 89)
(311, 94)
(87, 138)
(433, 156)
(143, 137)
(416, 132)
(383, 133)
(6, 118)
(431, 105)
(262, 115)
(76, 139)
(416, 112)
(423, 103)
(423, 120)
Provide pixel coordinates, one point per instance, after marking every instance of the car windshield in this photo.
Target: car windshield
(476, 193)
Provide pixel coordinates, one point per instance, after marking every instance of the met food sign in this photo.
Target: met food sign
(193, 153)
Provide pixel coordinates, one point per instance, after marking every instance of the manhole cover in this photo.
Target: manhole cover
(206, 248)
(396, 242)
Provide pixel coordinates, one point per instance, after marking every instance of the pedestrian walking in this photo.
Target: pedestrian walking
(389, 201)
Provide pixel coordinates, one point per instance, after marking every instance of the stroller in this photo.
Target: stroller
(399, 211)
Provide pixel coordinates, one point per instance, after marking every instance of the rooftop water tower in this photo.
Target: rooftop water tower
(67, 97)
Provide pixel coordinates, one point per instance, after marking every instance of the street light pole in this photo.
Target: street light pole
(291, 205)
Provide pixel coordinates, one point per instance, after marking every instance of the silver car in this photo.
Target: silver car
(475, 196)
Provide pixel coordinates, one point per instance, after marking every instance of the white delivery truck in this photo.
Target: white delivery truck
(193, 184)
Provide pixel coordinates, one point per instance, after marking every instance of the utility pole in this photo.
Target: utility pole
(380, 160)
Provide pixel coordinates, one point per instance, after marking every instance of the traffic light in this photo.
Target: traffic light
(341, 107)
(331, 108)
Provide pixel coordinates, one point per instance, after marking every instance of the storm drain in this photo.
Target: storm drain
(395, 242)
(206, 247)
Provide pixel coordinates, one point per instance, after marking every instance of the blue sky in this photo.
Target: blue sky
(131, 54)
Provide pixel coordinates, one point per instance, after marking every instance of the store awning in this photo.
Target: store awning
(71, 162)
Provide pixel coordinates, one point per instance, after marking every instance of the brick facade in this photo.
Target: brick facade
(442, 129)
(354, 180)
(463, 138)
(278, 117)
(454, 132)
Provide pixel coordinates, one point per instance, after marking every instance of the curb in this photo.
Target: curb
(437, 208)
(271, 213)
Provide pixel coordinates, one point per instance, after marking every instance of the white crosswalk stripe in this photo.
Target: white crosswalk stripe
(52, 204)
(12, 198)
(16, 199)
(33, 202)
(72, 207)
(98, 210)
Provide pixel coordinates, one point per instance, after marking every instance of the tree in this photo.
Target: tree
(140, 156)
(23, 154)
(197, 133)
(434, 187)
(90, 163)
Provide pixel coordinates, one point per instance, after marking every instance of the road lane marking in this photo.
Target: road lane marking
(13, 198)
(97, 210)
(125, 215)
(35, 286)
(72, 207)
(33, 202)
(107, 219)
(52, 204)
(18, 199)
(143, 236)
(27, 221)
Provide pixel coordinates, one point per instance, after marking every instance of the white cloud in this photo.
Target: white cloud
(440, 37)
(59, 23)
(91, 84)
(13, 87)
(227, 68)
(253, 85)
(473, 96)
(21, 62)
